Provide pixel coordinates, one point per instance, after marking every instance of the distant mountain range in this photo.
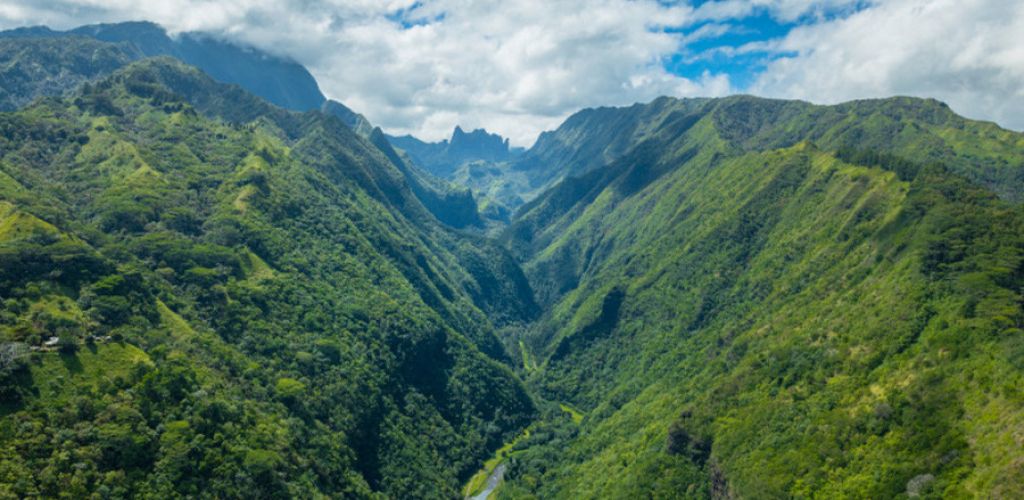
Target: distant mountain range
(278, 80)
(477, 160)
(444, 158)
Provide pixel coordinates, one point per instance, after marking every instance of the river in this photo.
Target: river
(492, 482)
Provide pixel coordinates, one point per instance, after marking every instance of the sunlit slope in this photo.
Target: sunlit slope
(919, 129)
(737, 315)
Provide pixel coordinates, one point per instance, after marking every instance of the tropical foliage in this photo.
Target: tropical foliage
(247, 303)
(205, 295)
(741, 315)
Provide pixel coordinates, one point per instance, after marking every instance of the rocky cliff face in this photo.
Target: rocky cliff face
(477, 145)
(444, 158)
(279, 80)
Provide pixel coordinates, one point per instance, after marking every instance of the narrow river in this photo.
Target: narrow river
(492, 482)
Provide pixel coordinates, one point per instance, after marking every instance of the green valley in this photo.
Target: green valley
(756, 313)
(240, 306)
(203, 294)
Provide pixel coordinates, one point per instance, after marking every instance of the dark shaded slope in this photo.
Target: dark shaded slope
(278, 80)
(450, 205)
(34, 67)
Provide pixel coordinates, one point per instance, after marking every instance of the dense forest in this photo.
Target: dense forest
(741, 310)
(203, 294)
(241, 305)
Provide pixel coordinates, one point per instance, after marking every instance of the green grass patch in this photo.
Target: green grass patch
(57, 376)
(529, 362)
(256, 268)
(576, 415)
(175, 323)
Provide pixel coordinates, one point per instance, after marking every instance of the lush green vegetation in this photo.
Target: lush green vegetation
(35, 67)
(202, 294)
(477, 161)
(247, 302)
(742, 313)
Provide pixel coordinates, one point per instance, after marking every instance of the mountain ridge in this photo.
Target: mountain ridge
(110, 47)
(742, 277)
(280, 81)
(835, 127)
(205, 293)
(443, 158)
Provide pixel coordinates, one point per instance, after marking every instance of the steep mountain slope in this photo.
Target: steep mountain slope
(450, 204)
(896, 131)
(32, 67)
(926, 130)
(245, 301)
(355, 121)
(444, 158)
(742, 305)
(41, 62)
(280, 81)
(476, 160)
(596, 137)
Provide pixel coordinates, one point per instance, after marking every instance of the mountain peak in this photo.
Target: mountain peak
(478, 144)
(279, 80)
(28, 32)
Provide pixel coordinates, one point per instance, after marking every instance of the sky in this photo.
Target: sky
(518, 67)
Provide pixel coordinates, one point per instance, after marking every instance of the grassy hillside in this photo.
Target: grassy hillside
(925, 130)
(741, 304)
(38, 62)
(246, 302)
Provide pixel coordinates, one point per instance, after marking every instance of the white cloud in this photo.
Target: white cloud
(515, 67)
(783, 10)
(521, 66)
(968, 53)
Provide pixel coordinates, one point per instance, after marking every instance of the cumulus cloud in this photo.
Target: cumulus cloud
(967, 53)
(515, 67)
(521, 66)
(783, 10)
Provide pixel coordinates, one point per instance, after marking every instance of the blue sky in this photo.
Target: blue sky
(714, 48)
(519, 67)
(706, 55)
